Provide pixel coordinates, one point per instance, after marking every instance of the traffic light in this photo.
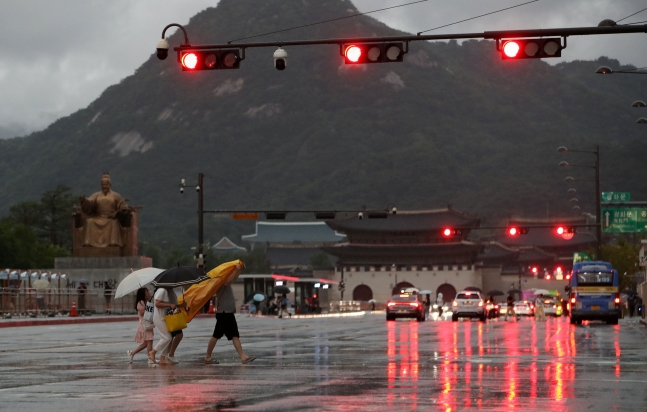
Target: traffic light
(448, 232)
(531, 48)
(561, 230)
(210, 59)
(341, 286)
(534, 270)
(362, 53)
(514, 231)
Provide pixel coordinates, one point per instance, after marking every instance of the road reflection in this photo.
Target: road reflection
(501, 365)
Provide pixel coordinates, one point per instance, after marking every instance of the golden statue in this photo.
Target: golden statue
(102, 228)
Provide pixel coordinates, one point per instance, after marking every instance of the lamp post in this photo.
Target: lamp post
(598, 195)
(200, 189)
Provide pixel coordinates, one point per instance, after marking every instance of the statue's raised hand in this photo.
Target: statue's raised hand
(81, 199)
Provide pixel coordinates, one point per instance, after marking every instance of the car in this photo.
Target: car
(468, 304)
(493, 309)
(552, 307)
(524, 308)
(405, 305)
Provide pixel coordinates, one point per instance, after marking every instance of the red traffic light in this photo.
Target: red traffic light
(564, 230)
(531, 48)
(534, 269)
(511, 49)
(353, 54)
(547, 277)
(210, 60)
(189, 61)
(447, 232)
(373, 53)
(514, 231)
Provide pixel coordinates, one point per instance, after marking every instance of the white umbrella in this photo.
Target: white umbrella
(40, 284)
(136, 280)
(425, 292)
(541, 292)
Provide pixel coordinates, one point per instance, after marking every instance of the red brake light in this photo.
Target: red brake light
(454, 303)
(353, 53)
(511, 48)
(414, 304)
(391, 304)
(189, 60)
(480, 303)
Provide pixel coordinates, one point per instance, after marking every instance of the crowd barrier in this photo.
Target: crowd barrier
(26, 302)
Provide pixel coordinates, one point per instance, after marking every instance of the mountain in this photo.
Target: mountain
(452, 124)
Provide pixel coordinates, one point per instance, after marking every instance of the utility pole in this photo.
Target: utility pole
(598, 206)
(200, 189)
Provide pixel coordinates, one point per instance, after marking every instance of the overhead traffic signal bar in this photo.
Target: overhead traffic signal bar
(384, 49)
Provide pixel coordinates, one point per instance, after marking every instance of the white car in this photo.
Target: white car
(524, 308)
(552, 307)
(468, 304)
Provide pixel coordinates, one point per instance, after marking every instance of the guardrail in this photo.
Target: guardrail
(27, 302)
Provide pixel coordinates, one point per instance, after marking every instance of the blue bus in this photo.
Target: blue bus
(594, 293)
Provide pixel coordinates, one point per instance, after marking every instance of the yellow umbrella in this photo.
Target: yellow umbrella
(199, 294)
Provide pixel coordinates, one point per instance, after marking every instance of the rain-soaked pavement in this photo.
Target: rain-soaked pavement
(350, 363)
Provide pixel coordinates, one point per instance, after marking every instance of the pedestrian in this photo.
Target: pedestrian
(107, 294)
(81, 291)
(510, 308)
(226, 326)
(440, 301)
(40, 300)
(165, 298)
(427, 305)
(540, 314)
(284, 305)
(143, 337)
(631, 301)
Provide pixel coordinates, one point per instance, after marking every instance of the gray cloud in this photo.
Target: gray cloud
(59, 56)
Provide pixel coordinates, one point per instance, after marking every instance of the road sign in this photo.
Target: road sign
(624, 219)
(245, 216)
(616, 196)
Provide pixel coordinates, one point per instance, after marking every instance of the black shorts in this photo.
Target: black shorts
(177, 332)
(226, 325)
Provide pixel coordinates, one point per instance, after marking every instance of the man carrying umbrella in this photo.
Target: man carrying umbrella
(226, 324)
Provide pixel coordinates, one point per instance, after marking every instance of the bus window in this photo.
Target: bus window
(595, 279)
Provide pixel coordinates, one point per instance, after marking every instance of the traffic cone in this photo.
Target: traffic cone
(211, 308)
(73, 310)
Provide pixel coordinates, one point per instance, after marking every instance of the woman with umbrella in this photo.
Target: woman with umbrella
(166, 298)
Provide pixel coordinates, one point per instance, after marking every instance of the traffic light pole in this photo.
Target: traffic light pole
(201, 220)
(598, 203)
(488, 35)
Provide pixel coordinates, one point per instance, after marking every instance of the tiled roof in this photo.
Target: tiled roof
(226, 245)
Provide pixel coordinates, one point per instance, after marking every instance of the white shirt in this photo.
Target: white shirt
(160, 294)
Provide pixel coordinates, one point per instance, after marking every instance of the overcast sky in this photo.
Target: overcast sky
(57, 56)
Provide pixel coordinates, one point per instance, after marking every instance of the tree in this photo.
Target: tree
(320, 261)
(57, 207)
(623, 256)
(178, 256)
(20, 248)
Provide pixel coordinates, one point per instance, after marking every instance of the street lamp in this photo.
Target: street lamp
(200, 189)
(598, 195)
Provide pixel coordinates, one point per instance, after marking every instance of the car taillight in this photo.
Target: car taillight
(454, 303)
(617, 298)
(573, 298)
(414, 304)
(496, 306)
(481, 303)
(555, 306)
(391, 304)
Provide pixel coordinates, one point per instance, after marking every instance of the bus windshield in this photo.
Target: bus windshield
(595, 279)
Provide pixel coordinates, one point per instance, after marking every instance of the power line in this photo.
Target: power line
(476, 17)
(328, 21)
(618, 21)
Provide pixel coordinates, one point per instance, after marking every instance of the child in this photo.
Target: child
(143, 337)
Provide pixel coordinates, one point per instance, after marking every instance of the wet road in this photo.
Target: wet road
(354, 363)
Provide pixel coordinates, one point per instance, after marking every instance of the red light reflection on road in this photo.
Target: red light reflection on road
(402, 367)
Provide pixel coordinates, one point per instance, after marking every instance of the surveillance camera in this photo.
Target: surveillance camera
(280, 59)
(162, 49)
(182, 190)
(394, 211)
(360, 215)
(197, 188)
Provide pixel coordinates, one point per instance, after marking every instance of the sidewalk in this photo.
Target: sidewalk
(64, 320)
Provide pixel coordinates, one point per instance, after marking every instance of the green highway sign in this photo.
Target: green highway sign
(616, 196)
(616, 219)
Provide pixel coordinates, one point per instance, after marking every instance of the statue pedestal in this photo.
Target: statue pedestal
(98, 252)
